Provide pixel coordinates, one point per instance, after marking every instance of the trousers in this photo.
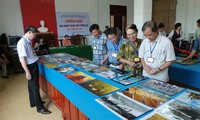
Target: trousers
(33, 87)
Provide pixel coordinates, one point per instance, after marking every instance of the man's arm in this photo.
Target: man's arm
(105, 59)
(24, 65)
(162, 67)
(146, 67)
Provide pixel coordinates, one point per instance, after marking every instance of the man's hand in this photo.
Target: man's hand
(132, 64)
(154, 71)
(103, 61)
(28, 76)
(148, 69)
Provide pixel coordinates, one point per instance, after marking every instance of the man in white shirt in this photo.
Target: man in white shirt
(156, 53)
(28, 59)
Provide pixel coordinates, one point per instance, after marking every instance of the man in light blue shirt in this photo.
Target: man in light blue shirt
(113, 46)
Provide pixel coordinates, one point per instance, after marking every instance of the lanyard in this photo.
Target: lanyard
(116, 46)
(134, 48)
(152, 49)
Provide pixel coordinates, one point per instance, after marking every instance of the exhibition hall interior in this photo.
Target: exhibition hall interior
(99, 60)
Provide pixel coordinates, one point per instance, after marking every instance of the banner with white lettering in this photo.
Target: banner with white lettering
(72, 23)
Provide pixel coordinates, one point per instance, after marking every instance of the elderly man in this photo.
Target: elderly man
(156, 53)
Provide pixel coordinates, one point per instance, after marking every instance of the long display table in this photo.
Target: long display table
(81, 100)
(186, 74)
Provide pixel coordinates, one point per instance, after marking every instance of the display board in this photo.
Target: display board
(72, 23)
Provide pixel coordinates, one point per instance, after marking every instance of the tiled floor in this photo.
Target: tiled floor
(14, 103)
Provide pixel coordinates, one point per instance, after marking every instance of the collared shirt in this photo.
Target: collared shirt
(127, 52)
(99, 47)
(197, 33)
(162, 53)
(25, 49)
(113, 48)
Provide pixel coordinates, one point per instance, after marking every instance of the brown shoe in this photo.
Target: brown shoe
(44, 111)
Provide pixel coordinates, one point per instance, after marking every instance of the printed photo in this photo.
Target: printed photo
(79, 77)
(98, 87)
(190, 97)
(179, 111)
(123, 106)
(65, 69)
(163, 87)
(146, 96)
(129, 79)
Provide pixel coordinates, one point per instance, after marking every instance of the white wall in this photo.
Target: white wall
(142, 13)
(11, 19)
(187, 13)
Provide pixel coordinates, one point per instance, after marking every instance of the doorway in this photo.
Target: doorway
(118, 17)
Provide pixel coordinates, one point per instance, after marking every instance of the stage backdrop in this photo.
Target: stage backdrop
(72, 23)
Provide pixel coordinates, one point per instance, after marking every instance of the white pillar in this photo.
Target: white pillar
(142, 13)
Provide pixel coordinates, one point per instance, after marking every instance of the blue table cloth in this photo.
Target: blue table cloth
(186, 74)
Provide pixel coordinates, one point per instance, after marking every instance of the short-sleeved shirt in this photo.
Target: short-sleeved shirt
(99, 47)
(197, 33)
(25, 49)
(113, 48)
(127, 52)
(161, 53)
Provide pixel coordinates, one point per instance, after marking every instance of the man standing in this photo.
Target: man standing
(156, 53)
(99, 41)
(113, 46)
(28, 59)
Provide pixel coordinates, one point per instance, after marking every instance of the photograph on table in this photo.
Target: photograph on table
(190, 97)
(88, 66)
(176, 110)
(186, 62)
(101, 68)
(155, 116)
(123, 106)
(51, 65)
(110, 74)
(79, 77)
(98, 87)
(146, 96)
(65, 69)
(129, 79)
(163, 87)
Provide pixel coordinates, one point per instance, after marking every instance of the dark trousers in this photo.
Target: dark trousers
(33, 87)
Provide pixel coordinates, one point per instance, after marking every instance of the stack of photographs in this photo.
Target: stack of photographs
(146, 96)
(155, 116)
(123, 106)
(98, 87)
(163, 87)
(129, 79)
(176, 110)
(65, 69)
(79, 77)
(190, 97)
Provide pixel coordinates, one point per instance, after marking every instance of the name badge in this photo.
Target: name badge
(114, 55)
(94, 47)
(137, 59)
(34, 53)
(150, 59)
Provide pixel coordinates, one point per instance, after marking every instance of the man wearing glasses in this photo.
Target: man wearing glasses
(113, 45)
